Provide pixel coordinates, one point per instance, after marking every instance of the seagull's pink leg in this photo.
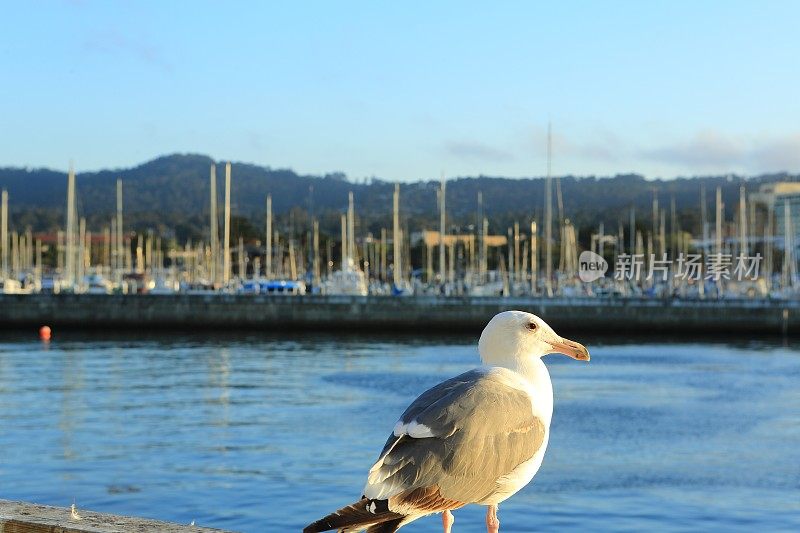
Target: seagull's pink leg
(447, 521)
(492, 523)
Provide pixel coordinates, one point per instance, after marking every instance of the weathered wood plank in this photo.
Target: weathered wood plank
(23, 517)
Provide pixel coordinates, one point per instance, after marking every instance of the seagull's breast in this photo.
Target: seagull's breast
(511, 483)
(539, 389)
(536, 385)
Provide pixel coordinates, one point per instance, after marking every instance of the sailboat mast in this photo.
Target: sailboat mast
(118, 242)
(442, 205)
(268, 250)
(673, 228)
(382, 256)
(38, 267)
(398, 264)
(655, 218)
(70, 255)
(485, 251)
(292, 261)
(213, 226)
(548, 219)
(742, 223)
(788, 247)
(82, 263)
(481, 237)
(534, 256)
(351, 230)
(345, 266)
(632, 230)
(704, 219)
(241, 257)
(768, 244)
(226, 260)
(4, 234)
(718, 246)
(316, 279)
(517, 259)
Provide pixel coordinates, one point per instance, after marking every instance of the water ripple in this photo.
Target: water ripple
(261, 433)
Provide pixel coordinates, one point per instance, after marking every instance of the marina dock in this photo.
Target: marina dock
(390, 314)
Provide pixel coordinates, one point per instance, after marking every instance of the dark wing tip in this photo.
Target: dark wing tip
(390, 526)
(364, 513)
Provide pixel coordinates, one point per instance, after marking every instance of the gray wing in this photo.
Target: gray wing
(457, 440)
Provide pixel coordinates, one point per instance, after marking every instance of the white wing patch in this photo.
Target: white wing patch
(419, 431)
(413, 429)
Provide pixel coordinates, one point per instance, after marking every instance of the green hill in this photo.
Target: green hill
(171, 195)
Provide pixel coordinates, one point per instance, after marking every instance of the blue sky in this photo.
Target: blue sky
(405, 90)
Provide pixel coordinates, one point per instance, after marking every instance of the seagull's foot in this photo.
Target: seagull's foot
(447, 521)
(492, 523)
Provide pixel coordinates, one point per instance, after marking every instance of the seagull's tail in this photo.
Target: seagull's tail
(365, 513)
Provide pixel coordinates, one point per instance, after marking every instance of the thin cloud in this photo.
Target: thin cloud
(707, 149)
(477, 151)
(779, 154)
(714, 150)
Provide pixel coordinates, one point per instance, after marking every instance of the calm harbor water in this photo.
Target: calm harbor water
(261, 434)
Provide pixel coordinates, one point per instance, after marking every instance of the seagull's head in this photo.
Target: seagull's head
(512, 336)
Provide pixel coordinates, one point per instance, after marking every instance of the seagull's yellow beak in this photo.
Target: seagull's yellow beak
(570, 348)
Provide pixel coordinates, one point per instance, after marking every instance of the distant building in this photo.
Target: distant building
(431, 238)
(773, 196)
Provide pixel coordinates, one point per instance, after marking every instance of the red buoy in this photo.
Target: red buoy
(44, 333)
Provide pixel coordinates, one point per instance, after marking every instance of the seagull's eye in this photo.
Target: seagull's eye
(531, 326)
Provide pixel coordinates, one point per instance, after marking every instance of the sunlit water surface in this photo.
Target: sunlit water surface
(260, 434)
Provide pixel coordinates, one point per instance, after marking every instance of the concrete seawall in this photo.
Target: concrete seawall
(383, 313)
(23, 517)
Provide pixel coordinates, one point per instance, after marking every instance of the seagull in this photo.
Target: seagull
(476, 438)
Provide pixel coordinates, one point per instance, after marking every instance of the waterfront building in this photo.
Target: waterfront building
(772, 197)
